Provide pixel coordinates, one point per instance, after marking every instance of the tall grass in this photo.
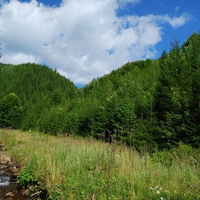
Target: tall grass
(80, 168)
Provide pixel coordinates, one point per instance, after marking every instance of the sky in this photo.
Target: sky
(85, 39)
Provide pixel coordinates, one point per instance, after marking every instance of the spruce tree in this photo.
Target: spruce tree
(163, 104)
(192, 51)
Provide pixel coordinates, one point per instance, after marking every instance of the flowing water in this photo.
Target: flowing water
(8, 178)
(4, 180)
(8, 187)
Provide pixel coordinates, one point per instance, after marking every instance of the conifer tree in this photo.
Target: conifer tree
(192, 51)
(163, 104)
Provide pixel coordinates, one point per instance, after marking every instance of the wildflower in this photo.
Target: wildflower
(161, 198)
(158, 192)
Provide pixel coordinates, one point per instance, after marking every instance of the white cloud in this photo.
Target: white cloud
(177, 21)
(177, 8)
(20, 57)
(122, 3)
(82, 39)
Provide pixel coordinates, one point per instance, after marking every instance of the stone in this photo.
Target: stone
(11, 165)
(10, 194)
(2, 167)
(6, 158)
(2, 172)
(14, 170)
(24, 192)
(2, 148)
(3, 162)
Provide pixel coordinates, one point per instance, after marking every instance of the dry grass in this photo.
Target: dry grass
(78, 168)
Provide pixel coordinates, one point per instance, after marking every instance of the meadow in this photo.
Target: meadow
(80, 169)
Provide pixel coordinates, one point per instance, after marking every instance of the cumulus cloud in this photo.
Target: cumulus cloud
(81, 39)
(20, 57)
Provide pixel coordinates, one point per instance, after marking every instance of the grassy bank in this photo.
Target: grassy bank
(77, 168)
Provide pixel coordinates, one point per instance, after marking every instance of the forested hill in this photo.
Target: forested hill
(152, 103)
(37, 87)
(30, 80)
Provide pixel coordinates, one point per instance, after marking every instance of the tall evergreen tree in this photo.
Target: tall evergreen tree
(192, 51)
(163, 104)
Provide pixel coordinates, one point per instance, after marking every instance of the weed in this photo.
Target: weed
(74, 168)
(26, 177)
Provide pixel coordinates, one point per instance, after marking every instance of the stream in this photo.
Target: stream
(8, 179)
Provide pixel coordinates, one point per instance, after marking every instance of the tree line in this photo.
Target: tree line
(152, 104)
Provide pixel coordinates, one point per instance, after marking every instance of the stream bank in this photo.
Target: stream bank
(9, 171)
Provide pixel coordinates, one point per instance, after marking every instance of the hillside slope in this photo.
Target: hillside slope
(153, 104)
(37, 87)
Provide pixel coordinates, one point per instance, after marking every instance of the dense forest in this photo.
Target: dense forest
(151, 104)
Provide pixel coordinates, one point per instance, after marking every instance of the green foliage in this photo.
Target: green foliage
(174, 155)
(26, 177)
(10, 111)
(174, 97)
(39, 90)
(85, 168)
(151, 103)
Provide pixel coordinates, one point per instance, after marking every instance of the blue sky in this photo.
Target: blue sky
(173, 8)
(85, 39)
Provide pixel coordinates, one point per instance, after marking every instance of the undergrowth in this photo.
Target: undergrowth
(84, 169)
